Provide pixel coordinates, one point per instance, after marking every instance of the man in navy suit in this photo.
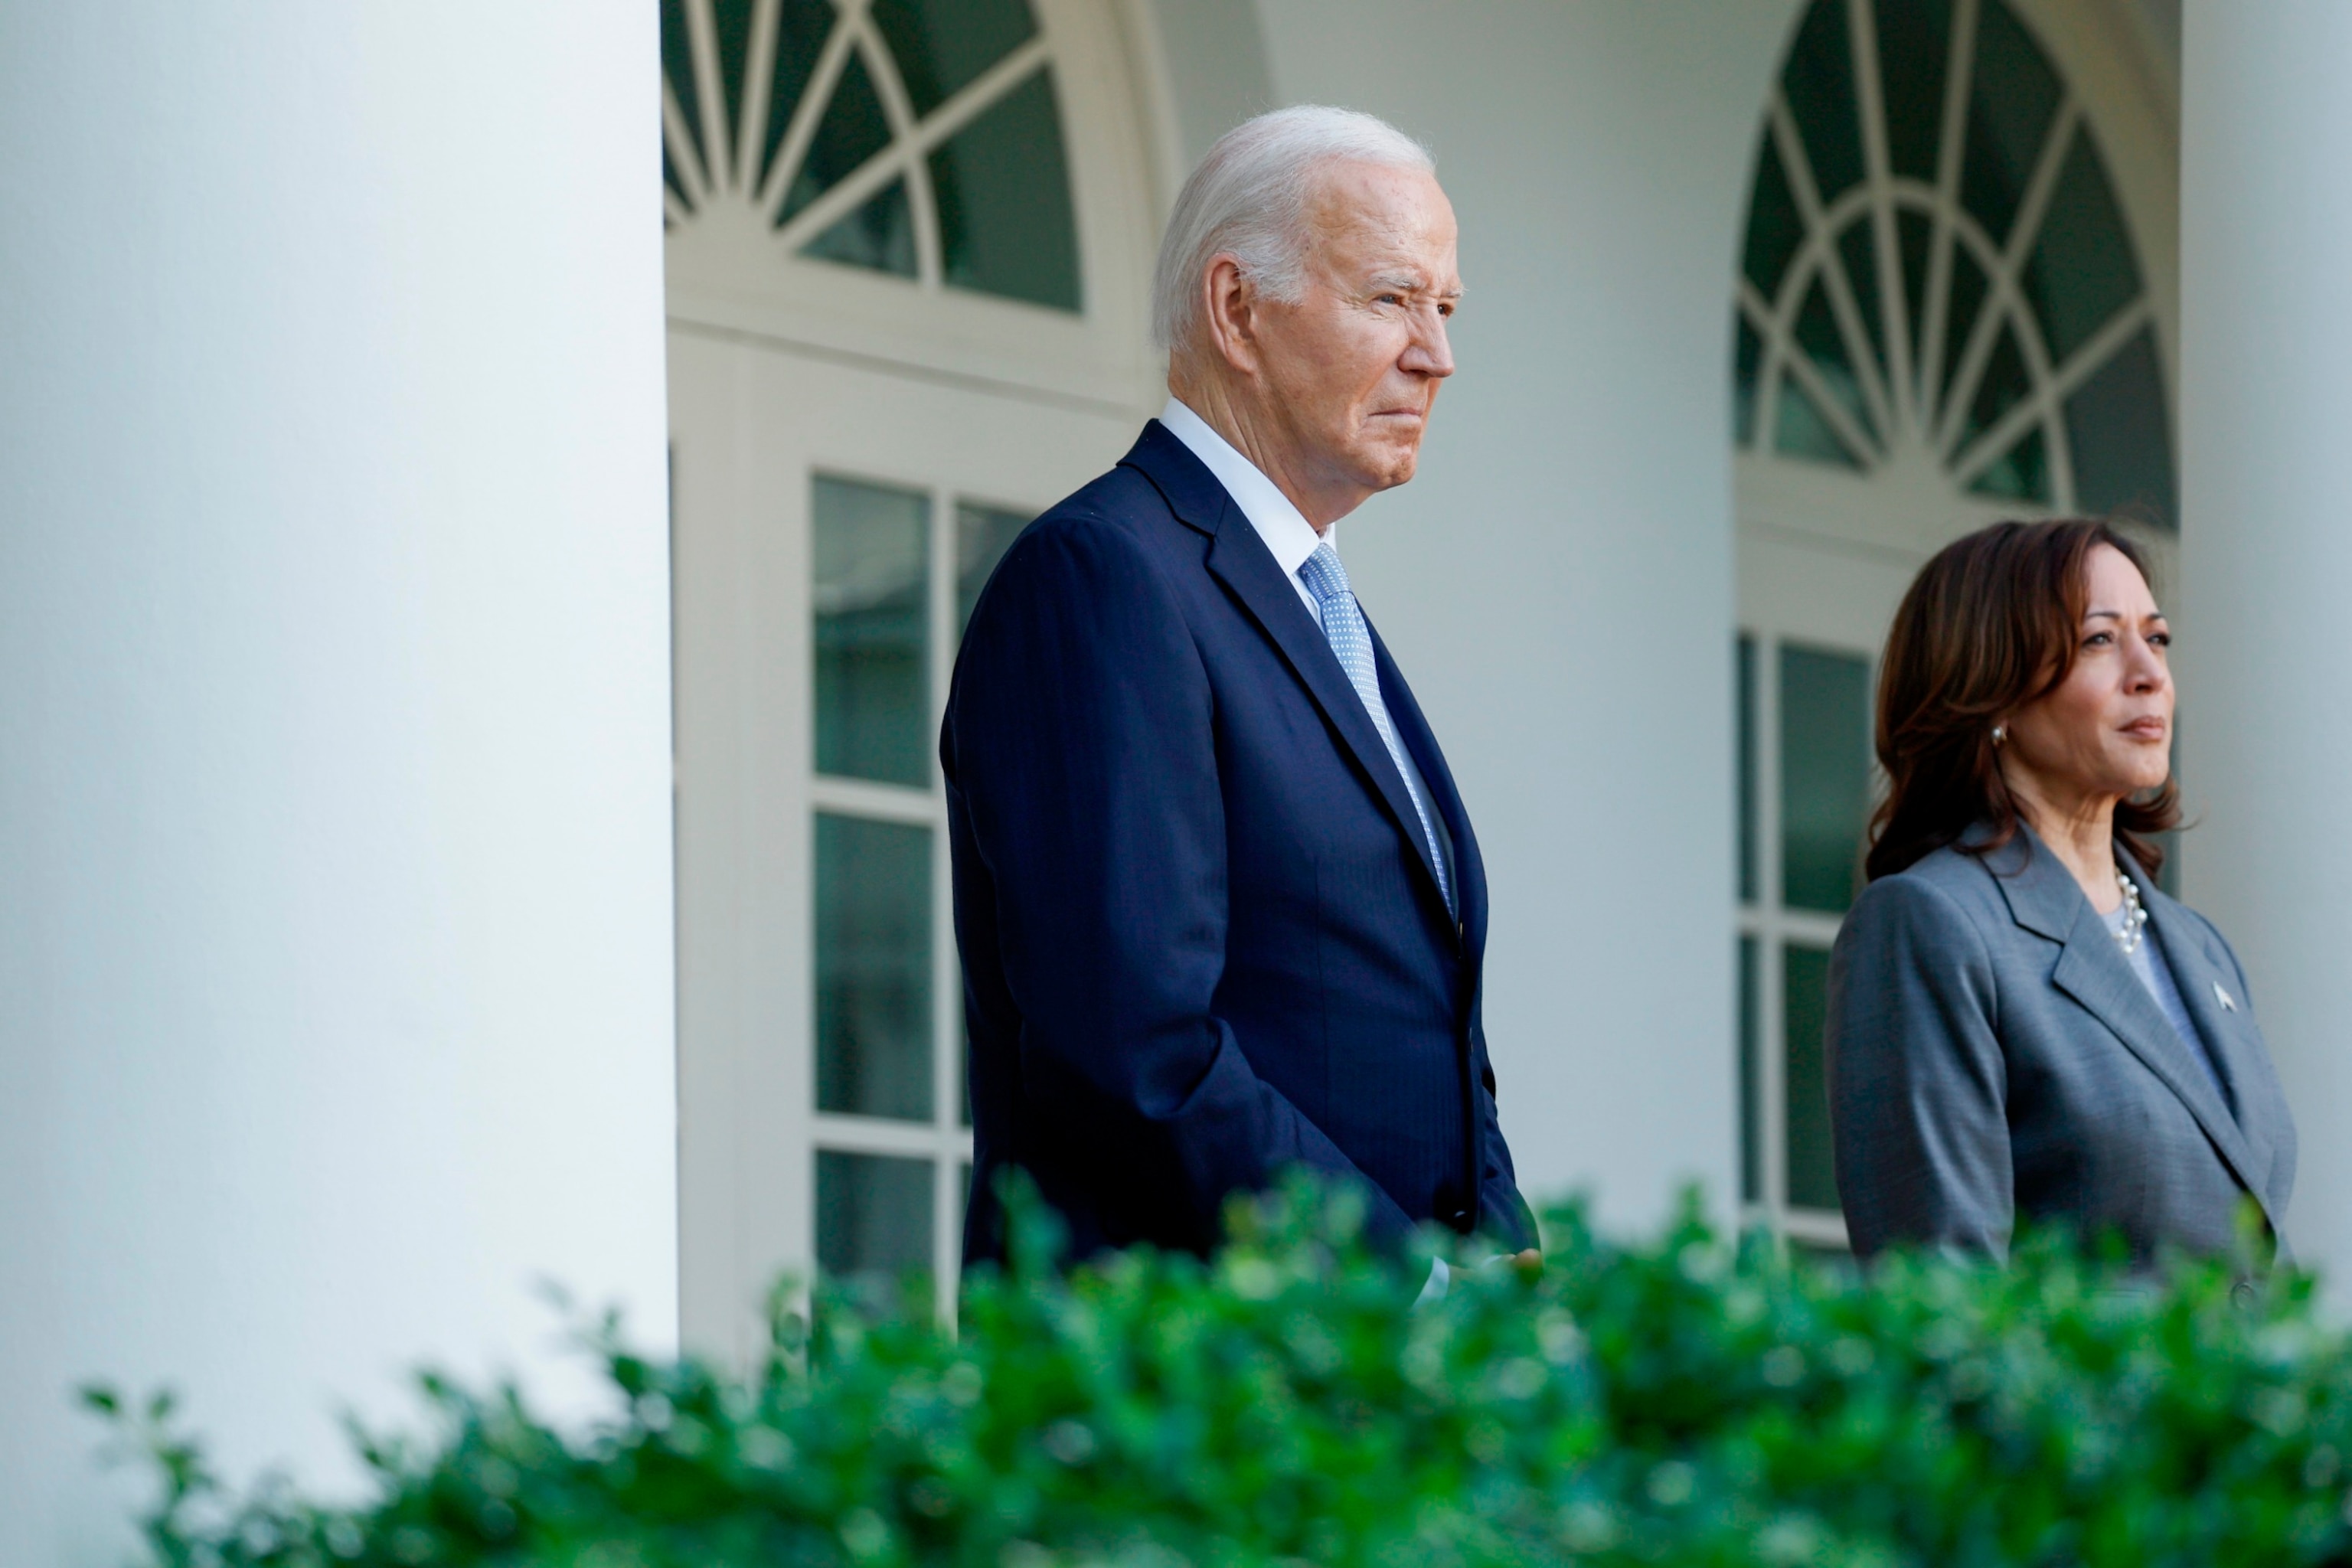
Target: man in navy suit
(1220, 908)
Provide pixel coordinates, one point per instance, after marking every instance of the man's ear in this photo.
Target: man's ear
(1229, 312)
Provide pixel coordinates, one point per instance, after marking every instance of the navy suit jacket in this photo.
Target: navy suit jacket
(1201, 937)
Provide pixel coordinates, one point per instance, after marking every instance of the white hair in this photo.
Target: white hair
(1248, 200)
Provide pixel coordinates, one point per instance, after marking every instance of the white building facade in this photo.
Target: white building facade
(441, 851)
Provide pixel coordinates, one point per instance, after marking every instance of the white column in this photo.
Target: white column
(2267, 469)
(335, 997)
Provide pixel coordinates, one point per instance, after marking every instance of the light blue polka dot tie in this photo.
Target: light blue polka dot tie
(1344, 629)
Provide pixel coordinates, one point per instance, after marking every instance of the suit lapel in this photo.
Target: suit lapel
(1239, 559)
(2043, 897)
(2228, 1033)
(1469, 869)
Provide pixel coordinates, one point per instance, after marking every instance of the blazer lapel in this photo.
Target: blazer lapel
(2228, 1033)
(1412, 727)
(2044, 896)
(1239, 559)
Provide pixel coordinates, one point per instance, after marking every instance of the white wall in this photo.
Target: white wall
(335, 994)
(2266, 472)
(1557, 583)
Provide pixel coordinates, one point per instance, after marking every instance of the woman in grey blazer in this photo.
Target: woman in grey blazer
(2020, 1024)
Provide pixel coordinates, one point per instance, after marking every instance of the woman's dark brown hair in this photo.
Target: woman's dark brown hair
(1988, 625)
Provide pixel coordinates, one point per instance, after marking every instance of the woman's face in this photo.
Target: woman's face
(2106, 731)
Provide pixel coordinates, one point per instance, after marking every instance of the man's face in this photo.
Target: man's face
(1353, 367)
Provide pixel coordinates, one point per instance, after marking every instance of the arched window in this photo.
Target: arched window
(919, 138)
(1943, 315)
(1936, 267)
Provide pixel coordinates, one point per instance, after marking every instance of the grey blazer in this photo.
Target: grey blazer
(1992, 1053)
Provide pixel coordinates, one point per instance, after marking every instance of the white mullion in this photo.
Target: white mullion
(845, 1132)
(702, 45)
(1950, 152)
(815, 99)
(759, 81)
(852, 192)
(673, 210)
(898, 107)
(1771, 1074)
(2034, 204)
(1800, 364)
(880, 802)
(684, 157)
(982, 90)
(1830, 268)
(947, 972)
(1894, 308)
(1820, 1228)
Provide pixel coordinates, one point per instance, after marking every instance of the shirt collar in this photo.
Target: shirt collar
(1287, 533)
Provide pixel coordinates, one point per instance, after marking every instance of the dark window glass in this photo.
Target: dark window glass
(1914, 51)
(2021, 473)
(1744, 699)
(1774, 227)
(941, 46)
(2117, 433)
(1804, 1012)
(1747, 361)
(677, 69)
(873, 967)
(2014, 95)
(1915, 232)
(2082, 270)
(879, 235)
(854, 130)
(1817, 333)
(801, 30)
(1961, 302)
(1825, 777)
(870, 586)
(983, 533)
(873, 1215)
(1003, 190)
(1819, 83)
(731, 27)
(1751, 1078)
(1858, 250)
(1802, 430)
(2002, 387)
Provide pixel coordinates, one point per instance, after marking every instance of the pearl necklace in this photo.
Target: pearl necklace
(2135, 915)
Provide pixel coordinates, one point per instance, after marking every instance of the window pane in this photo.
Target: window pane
(730, 22)
(1774, 227)
(677, 71)
(2021, 473)
(2115, 428)
(1858, 250)
(1824, 345)
(854, 128)
(941, 46)
(2003, 385)
(1003, 190)
(873, 968)
(801, 30)
(871, 558)
(1825, 777)
(1751, 1078)
(983, 533)
(1746, 362)
(1744, 698)
(2082, 270)
(1962, 301)
(1800, 430)
(879, 235)
(1915, 232)
(1812, 1169)
(1819, 83)
(2014, 96)
(1914, 48)
(873, 1215)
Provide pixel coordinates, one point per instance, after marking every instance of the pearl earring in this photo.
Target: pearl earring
(2000, 734)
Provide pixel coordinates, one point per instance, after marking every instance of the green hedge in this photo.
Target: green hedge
(1691, 1401)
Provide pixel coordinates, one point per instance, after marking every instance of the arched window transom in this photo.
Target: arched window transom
(1936, 268)
(916, 137)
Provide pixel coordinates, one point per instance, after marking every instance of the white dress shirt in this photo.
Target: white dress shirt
(1285, 531)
